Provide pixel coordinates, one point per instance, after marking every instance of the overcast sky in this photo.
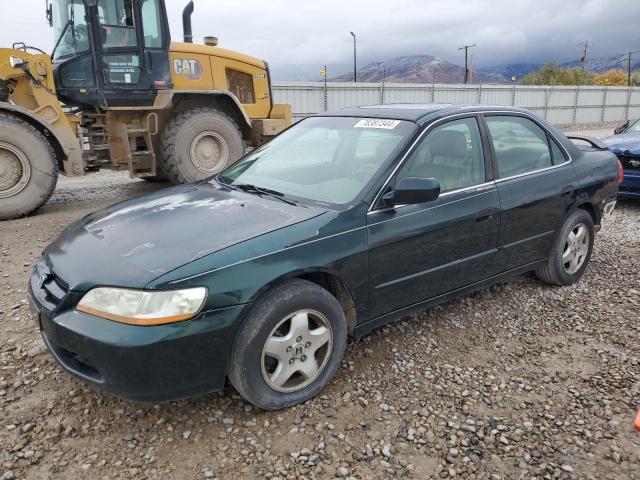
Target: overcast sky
(298, 37)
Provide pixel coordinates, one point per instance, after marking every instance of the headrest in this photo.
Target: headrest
(448, 143)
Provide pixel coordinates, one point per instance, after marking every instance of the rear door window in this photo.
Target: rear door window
(520, 145)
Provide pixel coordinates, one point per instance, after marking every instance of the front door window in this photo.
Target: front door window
(451, 153)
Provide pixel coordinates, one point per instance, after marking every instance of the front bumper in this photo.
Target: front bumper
(139, 363)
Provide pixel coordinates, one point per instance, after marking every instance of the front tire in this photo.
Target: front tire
(571, 250)
(289, 346)
(28, 168)
(198, 143)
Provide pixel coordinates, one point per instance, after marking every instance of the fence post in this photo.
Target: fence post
(546, 101)
(513, 95)
(433, 93)
(479, 93)
(626, 113)
(575, 105)
(325, 88)
(604, 103)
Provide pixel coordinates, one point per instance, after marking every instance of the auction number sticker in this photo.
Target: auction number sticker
(377, 123)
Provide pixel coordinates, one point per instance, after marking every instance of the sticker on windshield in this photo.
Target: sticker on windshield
(377, 123)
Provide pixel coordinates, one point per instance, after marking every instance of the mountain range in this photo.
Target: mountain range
(431, 69)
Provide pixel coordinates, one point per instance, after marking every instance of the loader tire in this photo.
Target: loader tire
(28, 168)
(199, 143)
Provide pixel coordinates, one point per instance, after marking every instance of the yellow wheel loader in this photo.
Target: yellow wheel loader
(116, 93)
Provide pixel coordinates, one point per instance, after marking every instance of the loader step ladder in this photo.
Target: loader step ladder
(131, 145)
(95, 141)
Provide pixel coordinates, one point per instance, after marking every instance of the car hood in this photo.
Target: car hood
(623, 143)
(133, 242)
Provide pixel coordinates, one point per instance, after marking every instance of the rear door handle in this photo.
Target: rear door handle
(486, 214)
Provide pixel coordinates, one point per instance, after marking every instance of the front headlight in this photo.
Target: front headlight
(143, 307)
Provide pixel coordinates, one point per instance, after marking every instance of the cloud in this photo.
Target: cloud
(303, 36)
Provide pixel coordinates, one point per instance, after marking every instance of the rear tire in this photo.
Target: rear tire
(571, 250)
(28, 168)
(198, 143)
(289, 346)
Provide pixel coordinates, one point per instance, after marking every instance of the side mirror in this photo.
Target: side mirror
(17, 62)
(411, 190)
(621, 128)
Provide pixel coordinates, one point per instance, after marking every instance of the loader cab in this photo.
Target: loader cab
(110, 53)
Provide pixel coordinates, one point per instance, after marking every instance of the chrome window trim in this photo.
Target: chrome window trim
(442, 120)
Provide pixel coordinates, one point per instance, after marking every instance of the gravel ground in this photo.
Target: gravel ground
(520, 380)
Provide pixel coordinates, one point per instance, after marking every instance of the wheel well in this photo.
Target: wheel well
(590, 209)
(339, 290)
(50, 137)
(222, 102)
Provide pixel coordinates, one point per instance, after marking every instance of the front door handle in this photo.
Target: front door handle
(486, 214)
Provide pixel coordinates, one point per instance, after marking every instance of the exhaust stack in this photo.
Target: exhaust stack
(186, 22)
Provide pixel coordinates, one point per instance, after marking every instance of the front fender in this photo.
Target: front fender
(241, 273)
(38, 122)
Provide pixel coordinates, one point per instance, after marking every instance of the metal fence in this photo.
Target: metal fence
(560, 105)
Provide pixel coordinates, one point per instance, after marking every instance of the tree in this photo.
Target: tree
(551, 74)
(611, 77)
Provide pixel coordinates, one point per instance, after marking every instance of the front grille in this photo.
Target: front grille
(47, 287)
(630, 162)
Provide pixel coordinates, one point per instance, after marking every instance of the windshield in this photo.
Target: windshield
(75, 39)
(324, 159)
(635, 127)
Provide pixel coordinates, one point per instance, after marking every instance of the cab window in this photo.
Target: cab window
(451, 153)
(117, 22)
(520, 145)
(151, 24)
(69, 21)
(241, 85)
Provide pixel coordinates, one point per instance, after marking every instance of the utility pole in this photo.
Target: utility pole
(355, 74)
(629, 66)
(466, 61)
(586, 46)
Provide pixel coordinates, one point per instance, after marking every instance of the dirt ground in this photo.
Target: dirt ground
(520, 380)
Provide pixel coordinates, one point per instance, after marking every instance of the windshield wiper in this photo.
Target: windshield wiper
(247, 187)
(64, 30)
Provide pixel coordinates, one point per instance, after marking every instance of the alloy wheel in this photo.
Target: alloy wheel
(576, 247)
(297, 351)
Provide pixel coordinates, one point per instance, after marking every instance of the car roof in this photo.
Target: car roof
(415, 112)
